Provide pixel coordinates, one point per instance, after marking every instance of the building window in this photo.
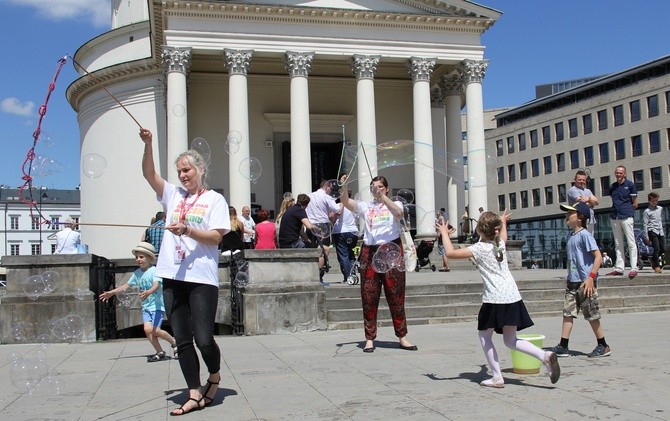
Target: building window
(656, 178)
(605, 185)
(638, 179)
(572, 127)
(604, 151)
(53, 248)
(654, 142)
(55, 221)
(13, 222)
(499, 147)
(634, 110)
(35, 225)
(524, 198)
(562, 193)
(619, 149)
(667, 101)
(523, 170)
(602, 119)
(546, 135)
(536, 197)
(560, 162)
(535, 167)
(510, 144)
(522, 141)
(549, 195)
(560, 135)
(547, 164)
(588, 123)
(636, 145)
(35, 249)
(652, 106)
(574, 159)
(14, 249)
(512, 200)
(511, 173)
(588, 156)
(501, 202)
(501, 175)
(618, 115)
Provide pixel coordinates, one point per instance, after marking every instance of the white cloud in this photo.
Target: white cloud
(12, 105)
(98, 12)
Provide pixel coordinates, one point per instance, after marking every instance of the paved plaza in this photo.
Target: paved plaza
(326, 376)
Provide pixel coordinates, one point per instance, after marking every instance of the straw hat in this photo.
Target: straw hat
(145, 248)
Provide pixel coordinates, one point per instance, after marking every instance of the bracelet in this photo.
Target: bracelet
(593, 275)
(188, 232)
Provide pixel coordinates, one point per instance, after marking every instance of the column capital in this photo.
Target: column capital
(451, 85)
(436, 98)
(176, 59)
(365, 66)
(298, 64)
(238, 62)
(421, 68)
(473, 71)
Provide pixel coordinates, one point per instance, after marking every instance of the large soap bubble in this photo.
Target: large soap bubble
(201, 146)
(93, 165)
(251, 169)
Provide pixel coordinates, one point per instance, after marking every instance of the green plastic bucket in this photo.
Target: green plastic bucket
(525, 364)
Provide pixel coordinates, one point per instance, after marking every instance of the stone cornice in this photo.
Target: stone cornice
(326, 16)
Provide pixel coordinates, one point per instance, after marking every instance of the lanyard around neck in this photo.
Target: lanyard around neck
(185, 207)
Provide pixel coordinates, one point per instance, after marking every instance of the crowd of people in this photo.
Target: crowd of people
(197, 225)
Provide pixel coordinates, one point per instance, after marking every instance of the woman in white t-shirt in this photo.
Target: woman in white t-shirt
(381, 226)
(188, 262)
(502, 310)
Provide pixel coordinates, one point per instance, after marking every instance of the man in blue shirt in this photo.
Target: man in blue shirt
(154, 234)
(624, 202)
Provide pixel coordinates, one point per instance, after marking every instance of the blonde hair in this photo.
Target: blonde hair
(196, 161)
(285, 204)
(488, 227)
(235, 223)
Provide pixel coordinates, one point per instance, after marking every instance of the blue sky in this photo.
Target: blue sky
(534, 42)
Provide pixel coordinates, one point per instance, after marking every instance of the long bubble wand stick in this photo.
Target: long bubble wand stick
(342, 161)
(105, 89)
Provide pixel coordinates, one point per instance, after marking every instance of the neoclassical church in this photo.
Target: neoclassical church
(275, 89)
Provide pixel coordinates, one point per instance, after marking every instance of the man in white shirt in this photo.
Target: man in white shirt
(322, 211)
(249, 225)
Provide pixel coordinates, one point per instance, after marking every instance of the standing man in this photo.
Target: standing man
(580, 193)
(249, 231)
(345, 238)
(321, 210)
(154, 234)
(624, 203)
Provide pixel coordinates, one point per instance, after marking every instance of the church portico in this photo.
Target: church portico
(287, 76)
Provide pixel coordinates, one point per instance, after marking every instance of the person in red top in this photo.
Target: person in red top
(266, 232)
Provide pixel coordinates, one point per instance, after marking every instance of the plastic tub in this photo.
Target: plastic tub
(525, 364)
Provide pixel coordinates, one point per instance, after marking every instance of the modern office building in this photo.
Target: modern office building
(618, 119)
(25, 230)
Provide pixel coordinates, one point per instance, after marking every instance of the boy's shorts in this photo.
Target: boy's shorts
(154, 317)
(440, 250)
(576, 301)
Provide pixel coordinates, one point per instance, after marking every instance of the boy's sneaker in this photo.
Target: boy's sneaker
(175, 351)
(632, 274)
(560, 351)
(600, 351)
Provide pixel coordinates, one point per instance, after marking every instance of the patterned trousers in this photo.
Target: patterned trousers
(393, 283)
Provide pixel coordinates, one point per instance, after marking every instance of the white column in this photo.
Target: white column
(421, 69)
(365, 68)
(298, 66)
(176, 64)
(473, 72)
(452, 88)
(439, 146)
(238, 63)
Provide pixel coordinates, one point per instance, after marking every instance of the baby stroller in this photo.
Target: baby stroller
(644, 251)
(423, 251)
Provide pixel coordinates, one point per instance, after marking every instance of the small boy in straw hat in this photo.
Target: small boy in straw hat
(151, 294)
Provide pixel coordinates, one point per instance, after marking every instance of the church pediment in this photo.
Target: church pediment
(455, 8)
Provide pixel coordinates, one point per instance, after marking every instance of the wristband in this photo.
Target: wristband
(188, 232)
(593, 275)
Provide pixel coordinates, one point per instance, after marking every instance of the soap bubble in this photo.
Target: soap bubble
(51, 281)
(126, 297)
(44, 166)
(45, 139)
(407, 194)
(241, 280)
(81, 293)
(388, 256)
(333, 188)
(234, 137)
(93, 165)
(47, 386)
(179, 110)
(201, 146)
(231, 148)
(25, 373)
(251, 169)
(34, 286)
(322, 230)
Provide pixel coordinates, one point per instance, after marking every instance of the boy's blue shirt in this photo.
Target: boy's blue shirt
(144, 280)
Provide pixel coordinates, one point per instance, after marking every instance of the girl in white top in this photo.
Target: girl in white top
(382, 225)
(197, 219)
(502, 310)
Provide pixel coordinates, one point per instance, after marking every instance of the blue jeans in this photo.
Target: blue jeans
(191, 310)
(344, 246)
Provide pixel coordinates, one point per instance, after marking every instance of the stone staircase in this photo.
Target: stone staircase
(437, 301)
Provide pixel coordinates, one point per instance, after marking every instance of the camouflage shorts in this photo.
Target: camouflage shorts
(576, 301)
